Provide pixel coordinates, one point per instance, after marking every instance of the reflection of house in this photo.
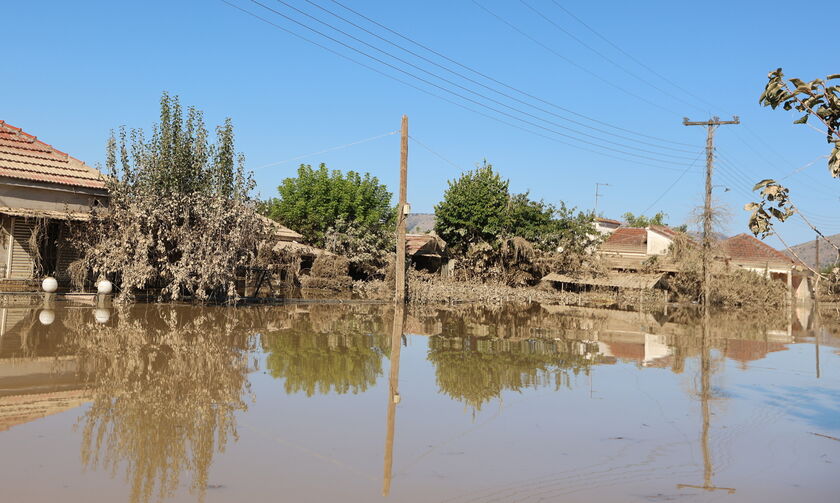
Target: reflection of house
(747, 252)
(42, 192)
(427, 252)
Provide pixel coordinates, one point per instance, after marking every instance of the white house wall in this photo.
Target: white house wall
(657, 244)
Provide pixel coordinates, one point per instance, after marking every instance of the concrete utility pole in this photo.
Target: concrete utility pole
(710, 124)
(402, 214)
(598, 185)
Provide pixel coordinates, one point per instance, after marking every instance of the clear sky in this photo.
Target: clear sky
(74, 70)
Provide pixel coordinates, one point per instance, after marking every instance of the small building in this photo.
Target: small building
(746, 252)
(606, 225)
(43, 193)
(627, 248)
(427, 252)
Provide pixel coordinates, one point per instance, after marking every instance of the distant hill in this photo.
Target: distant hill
(807, 251)
(420, 223)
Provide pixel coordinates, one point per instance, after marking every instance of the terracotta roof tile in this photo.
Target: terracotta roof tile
(746, 248)
(608, 221)
(626, 238)
(24, 157)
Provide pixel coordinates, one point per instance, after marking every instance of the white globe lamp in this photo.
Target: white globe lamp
(101, 315)
(104, 287)
(46, 316)
(49, 284)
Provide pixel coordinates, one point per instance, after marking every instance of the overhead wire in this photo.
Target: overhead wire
(503, 84)
(570, 61)
(442, 98)
(602, 55)
(476, 82)
(631, 57)
(331, 149)
(459, 86)
(611, 150)
(435, 153)
(675, 182)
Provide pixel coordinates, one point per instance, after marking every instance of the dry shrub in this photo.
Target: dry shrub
(730, 287)
(329, 272)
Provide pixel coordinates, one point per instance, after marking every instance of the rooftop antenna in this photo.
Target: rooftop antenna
(598, 185)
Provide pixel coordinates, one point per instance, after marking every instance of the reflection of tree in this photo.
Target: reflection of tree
(332, 349)
(475, 371)
(164, 389)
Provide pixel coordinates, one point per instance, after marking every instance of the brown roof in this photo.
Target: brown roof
(424, 244)
(608, 221)
(25, 157)
(664, 230)
(627, 239)
(746, 248)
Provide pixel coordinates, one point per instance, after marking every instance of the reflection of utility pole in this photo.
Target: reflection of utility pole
(598, 185)
(705, 397)
(710, 124)
(393, 394)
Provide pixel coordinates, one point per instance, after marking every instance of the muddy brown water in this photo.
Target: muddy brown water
(325, 402)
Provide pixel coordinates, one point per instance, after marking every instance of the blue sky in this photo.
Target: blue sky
(74, 70)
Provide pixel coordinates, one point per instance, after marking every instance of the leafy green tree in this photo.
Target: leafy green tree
(816, 99)
(643, 221)
(478, 208)
(475, 208)
(315, 200)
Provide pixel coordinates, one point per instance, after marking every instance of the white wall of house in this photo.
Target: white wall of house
(605, 227)
(657, 244)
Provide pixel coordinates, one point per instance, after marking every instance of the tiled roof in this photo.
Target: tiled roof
(607, 221)
(281, 231)
(625, 238)
(25, 157)
(664, 230)
(746, 248)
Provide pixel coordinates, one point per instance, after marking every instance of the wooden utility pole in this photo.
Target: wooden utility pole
(598, 185)
(393, 396)
(817, 244)
(402, 214)
(711, 125)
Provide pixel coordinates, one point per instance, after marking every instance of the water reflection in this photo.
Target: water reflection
(164, 387)
(164, 384)
(325, 348)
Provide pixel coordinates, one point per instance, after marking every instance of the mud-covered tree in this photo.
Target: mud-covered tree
(180, 217)
(819, 101)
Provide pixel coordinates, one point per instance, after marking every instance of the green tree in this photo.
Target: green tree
(475, 208)
(643, 221)
(815, 99)
(479, 208)
(316, 200)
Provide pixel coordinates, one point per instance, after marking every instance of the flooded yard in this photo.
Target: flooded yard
(337, 402)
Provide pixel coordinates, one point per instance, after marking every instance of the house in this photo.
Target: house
(747, 252)
(606, 225)
(629, 247)
(43, 192)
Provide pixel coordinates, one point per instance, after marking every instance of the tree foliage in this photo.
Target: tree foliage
(643, 221)
(816, 99)
(180, 217)
(316, 200)
(479, 208)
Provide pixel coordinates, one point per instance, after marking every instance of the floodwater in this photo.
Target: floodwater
(326, 402)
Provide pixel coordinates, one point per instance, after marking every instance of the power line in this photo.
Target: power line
(331, 149)
(443, 98)
(476, 82)
(602, 55)
(426, 81)
(571, 62)
(440, 156)
(459, 86)
(507, 86)
(631, 57)
(686, 170)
